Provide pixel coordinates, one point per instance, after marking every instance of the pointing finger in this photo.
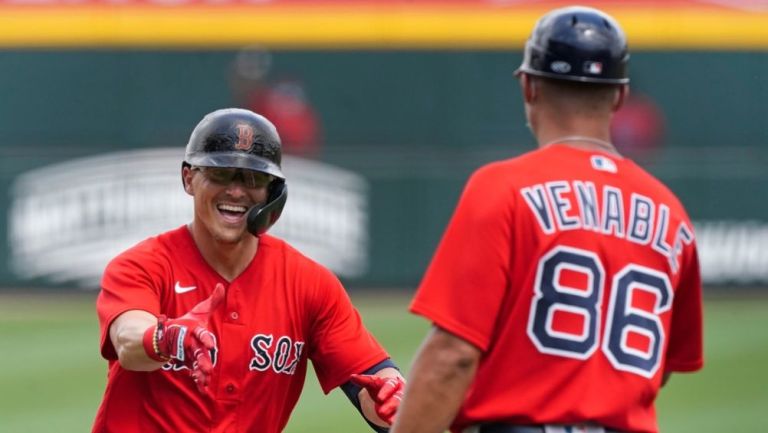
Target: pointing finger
(371, 383)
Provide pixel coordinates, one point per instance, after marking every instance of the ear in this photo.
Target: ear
(620, 97)
(186, 178)
(529, 87)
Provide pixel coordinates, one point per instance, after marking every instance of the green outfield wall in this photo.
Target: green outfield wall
(412, 124)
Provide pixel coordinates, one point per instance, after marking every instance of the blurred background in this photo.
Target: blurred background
(385, 107)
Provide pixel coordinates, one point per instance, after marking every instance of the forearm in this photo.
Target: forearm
(127, 333)
(441, 374)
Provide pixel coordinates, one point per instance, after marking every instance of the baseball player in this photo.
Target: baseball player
(209, 327)
(566, 287)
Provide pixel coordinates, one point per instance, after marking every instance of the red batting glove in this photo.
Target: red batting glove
(186, 340)
(386, 393)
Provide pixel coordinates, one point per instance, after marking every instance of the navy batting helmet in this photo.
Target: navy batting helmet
(578, 44)
(238, 138)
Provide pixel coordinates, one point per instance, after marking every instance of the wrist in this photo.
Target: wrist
(151, 341)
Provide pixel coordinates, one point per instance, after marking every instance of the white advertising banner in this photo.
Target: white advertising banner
(69, 219)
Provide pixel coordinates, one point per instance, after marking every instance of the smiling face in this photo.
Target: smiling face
(222, 198)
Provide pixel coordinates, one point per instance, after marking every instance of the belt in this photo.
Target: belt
(509, 428)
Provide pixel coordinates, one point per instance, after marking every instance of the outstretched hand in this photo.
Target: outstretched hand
(386, 393)
(187, 340)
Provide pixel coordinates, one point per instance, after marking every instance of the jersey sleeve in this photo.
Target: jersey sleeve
(467, 280)
(127, 284)
(685, 349)
(341, 345)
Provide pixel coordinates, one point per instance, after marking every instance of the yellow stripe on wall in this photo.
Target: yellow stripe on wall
(367, 28)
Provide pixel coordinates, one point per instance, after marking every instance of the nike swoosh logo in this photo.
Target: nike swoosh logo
(181, 289)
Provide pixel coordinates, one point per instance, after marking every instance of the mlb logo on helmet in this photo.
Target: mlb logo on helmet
(594, 68)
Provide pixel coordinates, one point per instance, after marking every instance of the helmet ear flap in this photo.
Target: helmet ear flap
(260, 218)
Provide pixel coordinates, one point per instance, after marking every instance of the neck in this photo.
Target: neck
(583, 142)
(228, 259)
(586, 135)
(552, 121)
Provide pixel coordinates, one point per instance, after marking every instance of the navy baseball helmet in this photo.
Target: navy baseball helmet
(238, 138)
(578, 44)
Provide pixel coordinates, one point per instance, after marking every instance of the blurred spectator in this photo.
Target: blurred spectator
(282, 100)
(637, 129)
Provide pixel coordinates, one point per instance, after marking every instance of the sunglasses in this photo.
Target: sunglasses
(227, 175)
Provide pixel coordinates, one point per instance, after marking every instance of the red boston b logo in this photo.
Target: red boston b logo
(244, 137)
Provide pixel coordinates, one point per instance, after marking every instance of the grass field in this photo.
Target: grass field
(52, 378)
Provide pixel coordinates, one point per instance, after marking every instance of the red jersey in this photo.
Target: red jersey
(576, 274)
(281, 311)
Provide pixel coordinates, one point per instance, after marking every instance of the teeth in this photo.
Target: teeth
(231, 208)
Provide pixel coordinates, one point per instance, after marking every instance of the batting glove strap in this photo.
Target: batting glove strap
(151, 340)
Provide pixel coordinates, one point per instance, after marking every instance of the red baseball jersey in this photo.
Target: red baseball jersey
(281, 311)
(576, 274)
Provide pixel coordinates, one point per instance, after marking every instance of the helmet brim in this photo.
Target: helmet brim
(576, 78)
(235, 160)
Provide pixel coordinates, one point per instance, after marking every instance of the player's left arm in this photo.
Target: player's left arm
(442, 372)
(344, 349)
(376, 393)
